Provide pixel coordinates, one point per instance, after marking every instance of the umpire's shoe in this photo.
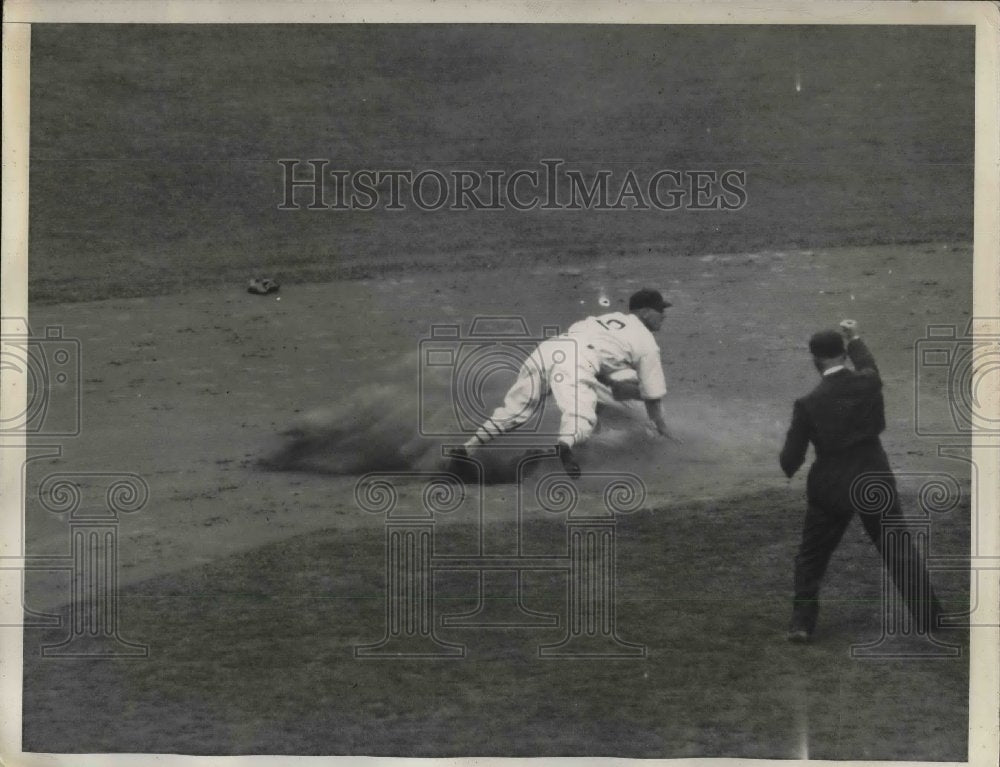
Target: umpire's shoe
(569, 463)
(799, 636)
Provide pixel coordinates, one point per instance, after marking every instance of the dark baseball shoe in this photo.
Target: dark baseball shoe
(459, 464)
(569, 463)
(530, 461)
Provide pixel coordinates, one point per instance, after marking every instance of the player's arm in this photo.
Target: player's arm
(655, 412)
(793, 454)
(623, 384)
(653, 388)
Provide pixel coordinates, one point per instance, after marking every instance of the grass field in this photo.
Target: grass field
(154, 184)
(154, 151)
(253, 654)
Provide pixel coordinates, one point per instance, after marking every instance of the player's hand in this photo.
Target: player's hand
(664, 432)
(849, 329)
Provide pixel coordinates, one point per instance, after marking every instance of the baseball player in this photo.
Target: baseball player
(594, 357)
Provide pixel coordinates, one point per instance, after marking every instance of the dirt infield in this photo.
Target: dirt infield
(202, 385)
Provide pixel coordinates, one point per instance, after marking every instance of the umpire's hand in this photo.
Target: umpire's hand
(849, 329)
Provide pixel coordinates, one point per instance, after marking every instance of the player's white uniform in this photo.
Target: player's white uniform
(568, 367)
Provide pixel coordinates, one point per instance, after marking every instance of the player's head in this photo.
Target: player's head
(648, 306)
(827, 349)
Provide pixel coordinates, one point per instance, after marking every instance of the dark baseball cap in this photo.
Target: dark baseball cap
(647, 299)
(827, 344)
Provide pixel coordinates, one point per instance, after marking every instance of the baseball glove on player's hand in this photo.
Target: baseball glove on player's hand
(625, 390)
(262, 287)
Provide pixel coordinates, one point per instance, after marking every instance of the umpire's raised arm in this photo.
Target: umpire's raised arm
(860, 356)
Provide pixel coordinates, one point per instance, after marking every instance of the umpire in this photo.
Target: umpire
(843, 417)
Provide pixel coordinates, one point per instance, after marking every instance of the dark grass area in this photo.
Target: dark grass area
(154, 150)
(254, 654)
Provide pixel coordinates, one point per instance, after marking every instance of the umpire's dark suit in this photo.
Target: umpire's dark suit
(843, 417)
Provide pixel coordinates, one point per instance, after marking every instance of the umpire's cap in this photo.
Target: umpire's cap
(647, 299)
(827, 344)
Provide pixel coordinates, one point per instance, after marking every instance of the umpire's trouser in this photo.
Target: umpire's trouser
(829, 512)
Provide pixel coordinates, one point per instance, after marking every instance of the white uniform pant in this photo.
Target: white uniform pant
(556, 367)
